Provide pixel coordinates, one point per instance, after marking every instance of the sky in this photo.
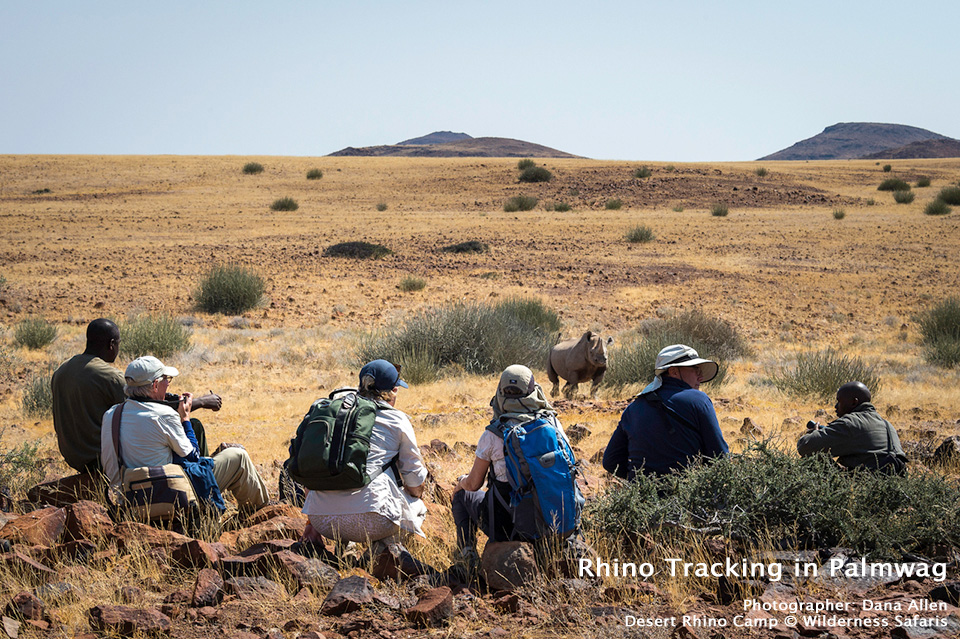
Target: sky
(635, 80)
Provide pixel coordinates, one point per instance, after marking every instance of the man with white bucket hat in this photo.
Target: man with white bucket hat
(670, 423)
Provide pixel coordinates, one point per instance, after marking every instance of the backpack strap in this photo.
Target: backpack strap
(117, 412)
(653, 398)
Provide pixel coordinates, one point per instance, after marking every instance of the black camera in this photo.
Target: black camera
(812, 425)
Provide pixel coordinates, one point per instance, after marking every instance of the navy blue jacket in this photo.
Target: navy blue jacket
(646, 439)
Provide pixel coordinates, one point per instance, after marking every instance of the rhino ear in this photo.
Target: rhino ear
(589, 335)
(609, 340)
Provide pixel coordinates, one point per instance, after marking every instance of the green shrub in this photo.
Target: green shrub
(34, 333)
(3, 282)
(314, 174)
(411, 283)
(761, 172)
(937, 207)
(940, 329)
(719, 210)
(230, 289)
(950, 195)
(870, 201)
(284, 204)
(535, 174)
(887, 168)
(561, 207)
(21, 467)
(525, 164)
(923, 181)
(157, 335)
(252, 168)
(893, 184)
(37, 399)
(471, 246)
(381, 206)
(678, 208)
(767, 496)
(669, 168)
(613, 204)
(520, 203)
(839, 214)
(469, 337)
(818, 375)
(642, 172)
(357, 250)
(640, 234)
(903, 197)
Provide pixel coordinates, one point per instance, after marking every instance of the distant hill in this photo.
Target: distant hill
(464, 147)
(936, 148)
(438, 137)
(852, 140)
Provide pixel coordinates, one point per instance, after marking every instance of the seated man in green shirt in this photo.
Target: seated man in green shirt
(85, 387)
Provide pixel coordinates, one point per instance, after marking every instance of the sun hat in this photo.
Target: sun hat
(145, 370)
(382, 375)
(516, 381)
(678, 355)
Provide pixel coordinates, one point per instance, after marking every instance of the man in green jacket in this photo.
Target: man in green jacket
(858, 437)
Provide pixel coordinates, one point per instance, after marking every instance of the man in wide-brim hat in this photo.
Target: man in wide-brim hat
(670, 423)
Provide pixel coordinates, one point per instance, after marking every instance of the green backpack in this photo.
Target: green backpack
(332, 442)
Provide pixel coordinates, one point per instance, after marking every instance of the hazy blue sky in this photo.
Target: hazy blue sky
(665, 80)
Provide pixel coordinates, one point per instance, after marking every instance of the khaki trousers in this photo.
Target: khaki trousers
(234, 471)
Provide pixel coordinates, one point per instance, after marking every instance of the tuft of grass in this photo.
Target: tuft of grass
(157, 335)
(314, 174)
(893, 184)
(470, 337)
(937, 207)
(669, 168)
(642, 172)
(719, 210)
(357, 250)
(520, 203)
(490, 275)
(525, 163)
(940, 330)
(37, 398)
(887, 168)
(21, 467)
(818, 375)
(640, 234)
(839, 214)
(870, 201)
(34, 333)
(560, 207)
(252, 168)
(470, 246)
(923, 181)
(3, 282)
(284, 204)
(230, 289)
(381, 206)
(613, 204)
(950, 195)
(761, 172)
(678, 208)
(410, 283)
(904, 197)
(535, 174)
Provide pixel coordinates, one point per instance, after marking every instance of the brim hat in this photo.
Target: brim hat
(680, 355)
(381, 375)
(145, 370)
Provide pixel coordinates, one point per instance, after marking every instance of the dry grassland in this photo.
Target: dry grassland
(117, 235)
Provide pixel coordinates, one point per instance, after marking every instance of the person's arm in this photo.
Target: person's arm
(835, 438)
(714, 445)
(616, 456)
(473, 480)
(409, 460)
(210, 401)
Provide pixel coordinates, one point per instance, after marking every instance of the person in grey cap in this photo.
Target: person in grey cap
(152, 432)
(671, 422)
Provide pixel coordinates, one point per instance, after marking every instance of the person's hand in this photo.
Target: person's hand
(184, 407)
(459, 485)
(211, 400)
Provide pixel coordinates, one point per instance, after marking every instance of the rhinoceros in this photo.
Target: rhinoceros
(577, 360)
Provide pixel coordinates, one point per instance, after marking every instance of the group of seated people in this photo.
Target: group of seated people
(665, 428)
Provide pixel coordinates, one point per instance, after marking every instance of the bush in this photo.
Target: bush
(34, 333)
(819, 375)
(937, 207)
(923, 181)
(314, 174)
(893, 184)
(903, 197)
(21, 468)
(3, 282)
(642, 172)
(471, 246)
(669, 168)
(381, 206)
(37, 399)
(870, 201)
(357, 250)
(719, 210)
(887, 168)
(469, 337)
(411, 283)
(761, 172)
(940, 329)
(157, 335)
(640, 234)
(839, 214)
(525, 164)
(252, 168)
(535, 174)
(950, 195)
(678, 208)
(230, 289)
(561, 207)
(613, 204)
(767, 496)
(284, 204)
(520, 203)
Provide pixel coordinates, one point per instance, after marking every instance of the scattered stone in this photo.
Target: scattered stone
(21, 564)
(58, 593)
(68, 490)
(25, 605)
(73, 551)
(348, 595)
(208, 589)
(598, 456)
(197, 554)
(791, 421)
(254, 588)
(507, 603)
(237, 566)
(508, 565)
(433, 607)
(272, 511)
(87, 520)
(130, 594)
(11, 627)
(307, 571)
(948, 451)
(750, 429)
(577, 433)
(133, 536)
(178, 597)
(277, 528)
(126, 621)
(273, 545)
(948, 592)
(42, 527)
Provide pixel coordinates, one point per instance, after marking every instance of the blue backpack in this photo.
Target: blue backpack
(545, 498)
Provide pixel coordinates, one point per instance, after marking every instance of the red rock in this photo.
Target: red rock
(272, 511)
(307, 571)
(434, 607)
(508, 565)
(42, 527)
(348, 595)
(87, 520)
(126, 621)
(196, 553)
(68, 490)
(77, 550)
(208, 589)
(209, 613)
(11, 627)
(178, 597)
(276, 528)
(255, 588)
(25, 606)
(507, 603)
(133, 536)
(21, 564)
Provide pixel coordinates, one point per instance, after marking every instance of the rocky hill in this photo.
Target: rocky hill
(936, 148)
(462, 147)
(852, 140)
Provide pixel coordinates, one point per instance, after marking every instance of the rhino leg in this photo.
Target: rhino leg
(571, 388)
(555, 389)
(597, 380)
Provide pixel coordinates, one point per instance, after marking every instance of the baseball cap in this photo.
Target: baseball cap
(145, 370)
(385, 375)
